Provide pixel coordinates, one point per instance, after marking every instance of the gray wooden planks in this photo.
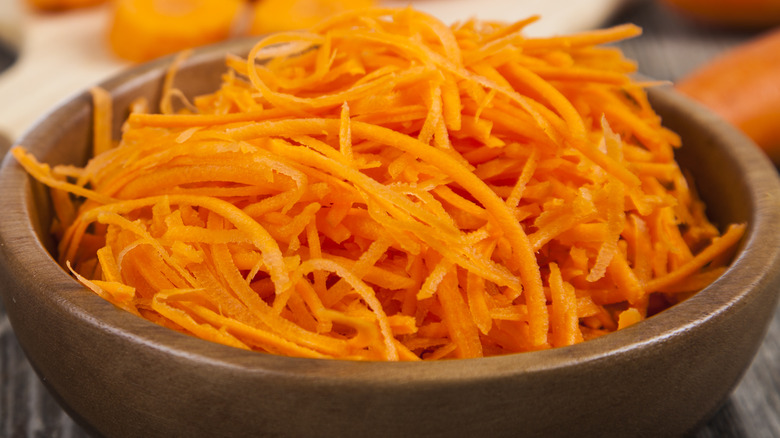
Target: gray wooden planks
(26, 408)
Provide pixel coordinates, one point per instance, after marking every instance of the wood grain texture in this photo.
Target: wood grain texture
(669, 48)
(26, 408)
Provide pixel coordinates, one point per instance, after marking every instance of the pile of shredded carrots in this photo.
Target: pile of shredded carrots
(386, 187)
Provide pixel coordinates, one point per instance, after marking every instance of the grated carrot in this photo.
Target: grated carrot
(385, 187)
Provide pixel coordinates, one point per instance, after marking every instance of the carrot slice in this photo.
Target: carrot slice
(145, 29)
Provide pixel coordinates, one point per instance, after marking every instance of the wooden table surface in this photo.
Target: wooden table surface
(669, 48)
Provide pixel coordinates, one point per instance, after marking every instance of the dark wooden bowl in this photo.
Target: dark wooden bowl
(119, 375)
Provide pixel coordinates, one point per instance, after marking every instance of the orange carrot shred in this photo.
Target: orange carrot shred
(382, 186)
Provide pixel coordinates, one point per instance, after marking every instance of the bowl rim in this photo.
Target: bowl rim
(18, 236)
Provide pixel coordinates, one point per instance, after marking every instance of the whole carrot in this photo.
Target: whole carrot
(743, 86)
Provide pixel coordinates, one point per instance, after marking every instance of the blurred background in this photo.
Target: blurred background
(51, 49)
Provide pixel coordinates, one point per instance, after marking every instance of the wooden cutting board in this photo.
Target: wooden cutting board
(61, 54)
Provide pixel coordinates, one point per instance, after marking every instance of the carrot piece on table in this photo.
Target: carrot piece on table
(141, 30)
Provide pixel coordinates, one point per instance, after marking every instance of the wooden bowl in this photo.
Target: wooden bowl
(119, 375)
